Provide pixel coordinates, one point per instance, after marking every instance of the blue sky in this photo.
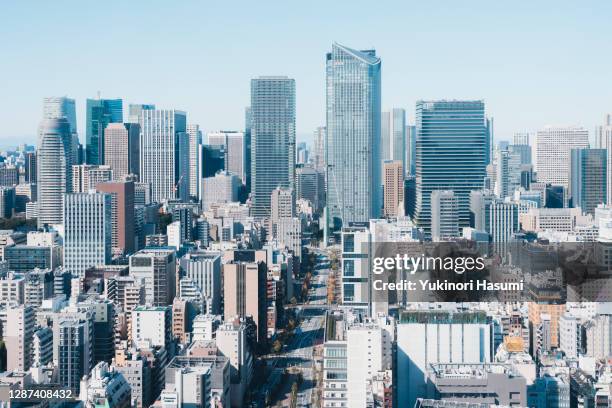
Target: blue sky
(534, 63)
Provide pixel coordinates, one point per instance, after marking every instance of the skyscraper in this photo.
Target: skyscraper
(393, 136)
(553, 147)
(160, 151)
(235, 151)
(451, 154)
(588, 178)
(20, 324)
(87, 231)
(353, 135)
(60, 107)
(604, 141)
(272, 139)
(122, 149)
(99, 113)
(195, 141)
(54, 168)
(319, 148)
(393, 177)
(30, 167)
(135, 109)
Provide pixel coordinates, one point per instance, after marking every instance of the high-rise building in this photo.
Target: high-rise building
(30, 167)
(232, 343)
(60, 107)
(122, 149)
(54, 168)
(152, 324)
(272, 139)
(86, 177)
(444, 215)
(213, 160)
(393, 136)
(393, 187)
(106, 386)
(245, 293)
(7, 201)
(429, 337)
(135, 110)
(122, 214)
(353, 135)
(588, 178)
(18, 335)
(282, 204)
(318, 156)
(195, 142)
(99, 113)
(73, 349)
(310, 185)
(603, 139)
(234, 144)
(204, 269)
(451, 154)
(87, 231)
(553, 147)
(161, 153)
(222, 188)
(157, 266)
(507, 171)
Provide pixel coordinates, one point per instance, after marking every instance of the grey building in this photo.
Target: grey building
(272, 139)
(588, 178)
(354, 191)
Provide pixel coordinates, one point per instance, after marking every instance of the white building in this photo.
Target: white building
(20, 324)
(369, 351)
(204, 269)
(87, 231)
(174, 235)
(195, 141)
(569, 335)
(428, 337)
(553, 147)
(105, 386)
(152, 326)
(444, 215)
(232, 343)
(222, 188)
(159, 150)
(157, 268)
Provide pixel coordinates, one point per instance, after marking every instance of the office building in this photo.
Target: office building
(429, 337)
(122, 149)
(30, 167)
(444, 215)
(135, 110)
(204, 269)
(310, 185)
(272, 139)
(451, 154)
(18, 337)
(195, 142)
(245, 294)
(232, 343)
(54, 167)
(87, 231)
(9, 176)
(86, 177)
(58, 108)
(213, 160)
(152, 325)
(588, 178)
(7, 201)
(156, 266)
(42, 347)
(353, 134)
(318, 156)
(222, 188)
(393, 136)
(162, 152)
(234, 144)
(393, 187)
(553, 151)
(122, 215)
(99, 113)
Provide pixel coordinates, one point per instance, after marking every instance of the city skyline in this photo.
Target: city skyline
(417, 44)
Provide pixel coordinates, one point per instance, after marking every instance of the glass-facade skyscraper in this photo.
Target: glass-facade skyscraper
(99, 113)
(451, 154)
(353, 136)
(588, 178)
(272, 139)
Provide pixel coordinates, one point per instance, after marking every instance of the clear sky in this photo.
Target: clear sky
(535, 63)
